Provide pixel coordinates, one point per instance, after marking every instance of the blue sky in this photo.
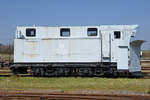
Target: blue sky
(74, 12)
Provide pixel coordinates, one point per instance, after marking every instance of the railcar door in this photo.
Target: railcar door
(121, 40)
(106, 46)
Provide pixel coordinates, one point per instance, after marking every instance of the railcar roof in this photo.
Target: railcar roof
(100, 26)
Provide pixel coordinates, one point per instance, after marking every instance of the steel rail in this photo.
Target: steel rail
(77, 96)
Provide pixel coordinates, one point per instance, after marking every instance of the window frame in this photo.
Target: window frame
(29, 30)
(115, 36)
(92, 29)
(63, 30)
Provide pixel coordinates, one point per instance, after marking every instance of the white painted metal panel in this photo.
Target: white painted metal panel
(122, 58)
(61, 50)
(106, 43)
(135, 51)
(18, 50)
(31, 51)
(70, 50)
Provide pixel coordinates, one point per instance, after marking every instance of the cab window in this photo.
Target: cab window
(117, 34)
(65, 32)
(30, 32)
(92, 32)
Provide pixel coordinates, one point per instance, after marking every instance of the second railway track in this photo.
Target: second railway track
(69, 96)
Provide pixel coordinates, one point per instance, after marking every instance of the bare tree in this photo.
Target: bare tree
(6, 49)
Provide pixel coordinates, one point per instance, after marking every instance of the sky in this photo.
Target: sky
(15, 13)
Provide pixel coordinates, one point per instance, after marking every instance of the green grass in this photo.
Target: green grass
(75, 84)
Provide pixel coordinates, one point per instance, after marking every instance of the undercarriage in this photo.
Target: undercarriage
(65, 69)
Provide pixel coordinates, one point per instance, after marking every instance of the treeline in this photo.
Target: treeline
(6, 49)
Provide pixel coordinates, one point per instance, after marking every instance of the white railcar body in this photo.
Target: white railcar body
(78, 44)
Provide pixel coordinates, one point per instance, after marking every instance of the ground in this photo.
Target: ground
(75, 84)
(69, 84)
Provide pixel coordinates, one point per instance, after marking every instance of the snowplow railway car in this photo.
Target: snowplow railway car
(77, 51)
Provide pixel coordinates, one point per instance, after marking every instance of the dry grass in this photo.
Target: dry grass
(146, 54)
(6, 57)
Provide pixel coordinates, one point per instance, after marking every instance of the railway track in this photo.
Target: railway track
(145, 61)
(69, 96)
(145, 68)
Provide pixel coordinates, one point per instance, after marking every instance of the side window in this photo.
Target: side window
(117, 34)
(92, 32)
(30, 32)
(65, 32)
